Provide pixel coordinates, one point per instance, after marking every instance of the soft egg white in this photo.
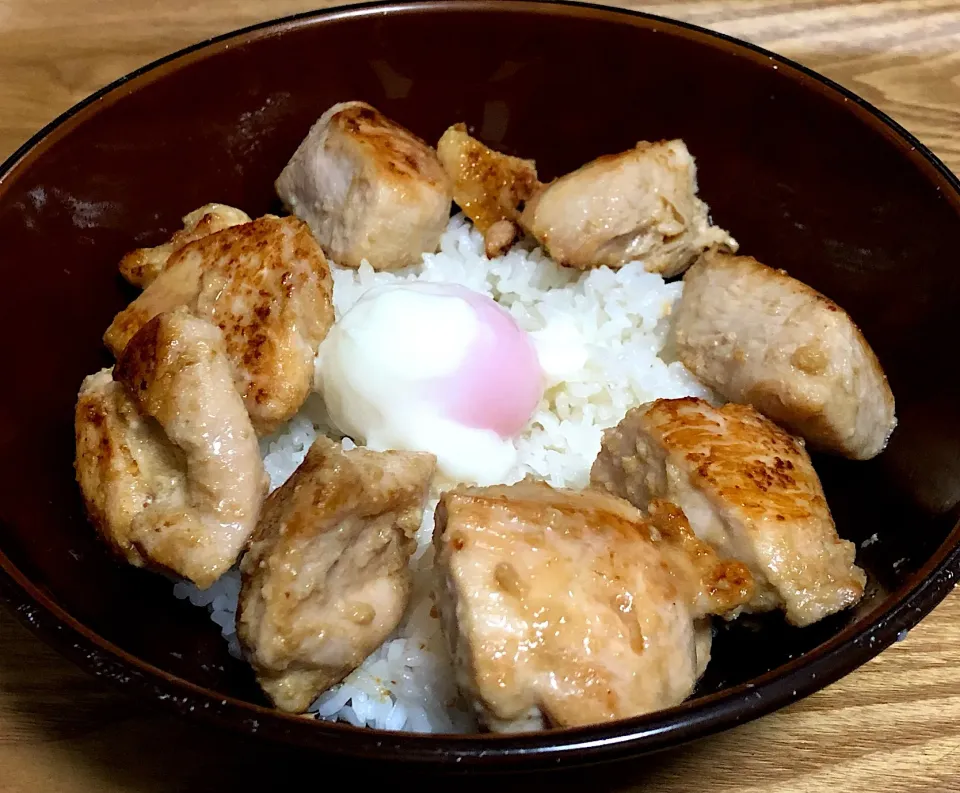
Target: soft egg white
(387, 368)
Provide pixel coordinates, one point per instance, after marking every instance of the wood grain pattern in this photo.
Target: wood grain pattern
(891, 727)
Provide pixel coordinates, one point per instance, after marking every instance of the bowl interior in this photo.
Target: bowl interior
(804, 179)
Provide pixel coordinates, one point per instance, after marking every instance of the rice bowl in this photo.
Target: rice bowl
(180, 670)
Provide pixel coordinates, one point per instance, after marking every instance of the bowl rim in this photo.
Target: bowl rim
(799, 677)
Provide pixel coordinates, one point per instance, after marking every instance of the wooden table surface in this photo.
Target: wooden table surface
(891, 727)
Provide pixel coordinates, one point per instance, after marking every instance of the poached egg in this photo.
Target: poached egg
(436, 368)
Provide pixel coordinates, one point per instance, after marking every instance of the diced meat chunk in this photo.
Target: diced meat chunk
(142, 266)
(748, 488)
(122, 460)
(491, 188)
(326, 579)
(166, 457)
(756, 335)
(267, 286)
(499, 237)
(370, 189)
(568, 608)
(640, 204)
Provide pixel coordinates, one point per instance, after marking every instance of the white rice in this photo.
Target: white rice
(600, 333)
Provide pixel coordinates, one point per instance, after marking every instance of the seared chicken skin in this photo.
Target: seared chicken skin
(756, 335)
(166, 457)
(748, 488)
(640, 204)
(369, 189)
(267, 286)
(491, 188)
(568, 608)
(326, 579)
(142, 266)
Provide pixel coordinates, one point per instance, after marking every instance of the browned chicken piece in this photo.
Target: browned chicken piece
(748, 488)
(370, 189)
(326, 579)
(756, 335)
(142, 266)
(122, 461)
(166, 457)
(568, 608)
(641, 204)
(267, 286)
(491, 188)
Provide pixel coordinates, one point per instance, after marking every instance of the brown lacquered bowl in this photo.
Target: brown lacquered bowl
(807, 176)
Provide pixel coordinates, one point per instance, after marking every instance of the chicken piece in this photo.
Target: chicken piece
(370, 189)
(267, 286)
(756, 335)
(640, 204)
(568, 608)
(166, 458)
(499, 237)
(748, 488)
(142, 266)
(326, 579)
(123, 460)
(491, 188)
